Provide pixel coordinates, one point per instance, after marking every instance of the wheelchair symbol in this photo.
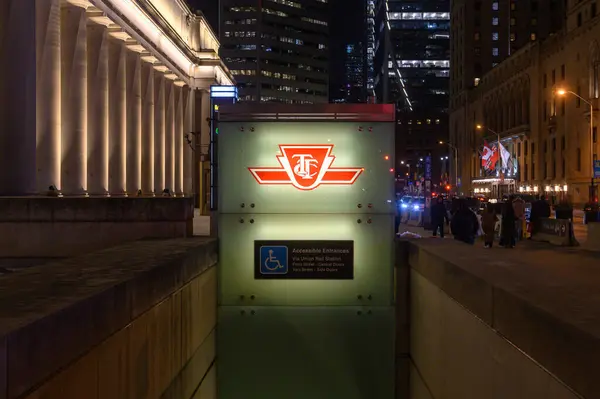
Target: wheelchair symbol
(273, 260)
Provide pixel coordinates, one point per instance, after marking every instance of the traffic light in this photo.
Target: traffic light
(448, 188)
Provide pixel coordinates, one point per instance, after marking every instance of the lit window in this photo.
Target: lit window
(533, 22)
(495, 36)
(495, 6)
(513, 6)
(495, 51)
(476, 82)
(476, 36)
(314, 21)
(533, 37)
(513, 37)
(495, 21)
(288, 3)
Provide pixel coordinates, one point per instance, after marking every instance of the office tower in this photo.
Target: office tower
(277, 50)
(412, 61)
(354, 80)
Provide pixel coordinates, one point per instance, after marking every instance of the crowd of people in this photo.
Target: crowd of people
(466, 225)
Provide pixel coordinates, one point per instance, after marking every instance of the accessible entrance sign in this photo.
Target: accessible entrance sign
(296, 259)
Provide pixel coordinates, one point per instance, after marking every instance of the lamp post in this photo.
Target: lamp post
(481, 127)
(455, 162)
(562, 93)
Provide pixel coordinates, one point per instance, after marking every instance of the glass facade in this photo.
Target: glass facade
(414, 35)
(412, 64)
(277, 50)
(354, 85)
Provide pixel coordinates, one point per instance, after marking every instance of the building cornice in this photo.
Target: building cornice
(143, 22)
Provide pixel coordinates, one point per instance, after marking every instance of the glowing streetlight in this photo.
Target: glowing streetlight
(562, 92)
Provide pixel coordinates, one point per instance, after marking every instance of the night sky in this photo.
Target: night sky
(346, 26)
(209, 8)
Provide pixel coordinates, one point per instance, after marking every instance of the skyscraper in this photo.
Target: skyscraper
(277, 49)
(354, 79)
(412, 61)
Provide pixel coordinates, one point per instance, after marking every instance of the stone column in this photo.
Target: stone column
(159, 132)
(204, 140)
(178, 157)
(97, 149)
(188, 154)
(170, 136)
(17, 97)
(148, 129)
(48, 154)
(74, 99)
(204, 124)
(134, 123)
(117, 144)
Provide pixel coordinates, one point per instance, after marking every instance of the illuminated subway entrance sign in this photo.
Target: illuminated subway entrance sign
(304, 259)
(306, 167)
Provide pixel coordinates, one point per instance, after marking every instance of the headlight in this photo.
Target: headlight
(403, 206)
(416, 207)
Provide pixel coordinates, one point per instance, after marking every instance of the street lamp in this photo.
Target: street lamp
(455, 162)
(562, 93)
(481, 127)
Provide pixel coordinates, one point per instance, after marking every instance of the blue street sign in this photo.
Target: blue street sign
(273, 260)
(596, 169)
(428, 167)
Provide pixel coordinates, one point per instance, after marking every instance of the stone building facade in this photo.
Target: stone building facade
(547, 135)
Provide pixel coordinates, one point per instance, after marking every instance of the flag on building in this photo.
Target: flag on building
(489, 157)
(505, 156)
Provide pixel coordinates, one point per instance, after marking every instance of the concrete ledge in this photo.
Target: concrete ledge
(62, 227)
(95, 209)
(52, 314)
(545, 301)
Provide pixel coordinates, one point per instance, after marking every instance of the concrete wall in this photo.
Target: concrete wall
(455, 355)
(459, 324)
(135, 321)
(57, 227)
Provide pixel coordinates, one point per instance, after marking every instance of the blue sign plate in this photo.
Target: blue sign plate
(304, 260)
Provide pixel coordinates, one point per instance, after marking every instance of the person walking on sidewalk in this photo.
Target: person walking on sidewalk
(519, 207)
(464, 223)
(439, 215)
(488, 221)
(507, 234)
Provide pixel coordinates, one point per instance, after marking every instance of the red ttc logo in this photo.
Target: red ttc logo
(306, 167)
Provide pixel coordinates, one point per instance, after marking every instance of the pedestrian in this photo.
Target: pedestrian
(489, 225)
(519, 208)
(507, 235)
(464, 223)
(439, 215)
